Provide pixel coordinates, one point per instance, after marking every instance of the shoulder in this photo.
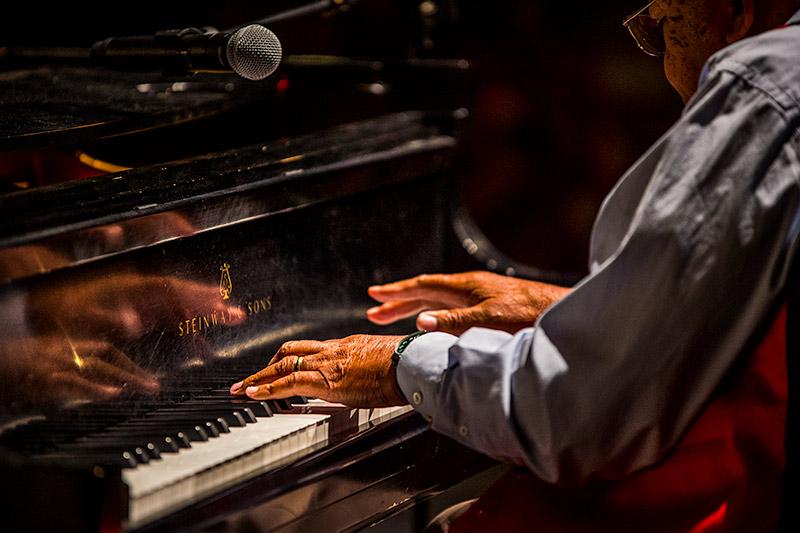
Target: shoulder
(770, 62)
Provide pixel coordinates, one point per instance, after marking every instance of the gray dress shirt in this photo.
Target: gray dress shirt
(688, 252)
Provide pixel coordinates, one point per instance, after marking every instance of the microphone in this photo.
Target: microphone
(253, 52)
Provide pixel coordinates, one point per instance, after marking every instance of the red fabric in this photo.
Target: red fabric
(724, 475)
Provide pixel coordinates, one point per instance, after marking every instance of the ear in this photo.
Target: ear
(742, 21)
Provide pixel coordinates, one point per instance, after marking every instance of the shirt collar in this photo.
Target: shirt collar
(795, 19)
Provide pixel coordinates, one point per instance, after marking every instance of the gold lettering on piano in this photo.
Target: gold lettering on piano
(233, 315)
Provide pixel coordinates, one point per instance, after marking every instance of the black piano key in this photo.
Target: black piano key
(188, 433)
(142, 454)
(125, 459)
(212, 430)
(200, 433)
(153, 450)
(233, 418)
(174, 424)
(223, 410)
(164, 444)
(180, 438)
(283, 405)
(260, 408)
(151, 446)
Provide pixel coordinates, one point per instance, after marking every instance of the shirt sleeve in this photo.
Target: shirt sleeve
(612, 375)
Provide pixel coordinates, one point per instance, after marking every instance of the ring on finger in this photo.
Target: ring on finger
(297, 363)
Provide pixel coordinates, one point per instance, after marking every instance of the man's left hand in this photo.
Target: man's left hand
(357, 371)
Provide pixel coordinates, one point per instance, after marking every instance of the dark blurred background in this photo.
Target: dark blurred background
(563, 101)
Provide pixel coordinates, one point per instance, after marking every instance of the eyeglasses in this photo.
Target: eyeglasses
(647, 31)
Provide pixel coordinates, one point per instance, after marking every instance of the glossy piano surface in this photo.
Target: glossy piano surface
(131, 301)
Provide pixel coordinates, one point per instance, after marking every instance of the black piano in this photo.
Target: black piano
(161, 237)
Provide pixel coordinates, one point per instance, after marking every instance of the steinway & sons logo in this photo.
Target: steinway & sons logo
(225, 283)
(232, 315)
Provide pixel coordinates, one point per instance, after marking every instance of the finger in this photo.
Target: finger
(280, 364)
(281, 369)
(297, 348)
(308, 383)
(445, 288)
(394, 311)
(453, 321)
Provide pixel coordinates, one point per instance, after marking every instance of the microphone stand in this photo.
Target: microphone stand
(321, 6)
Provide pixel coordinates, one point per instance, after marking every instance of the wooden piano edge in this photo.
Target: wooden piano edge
(384, 471)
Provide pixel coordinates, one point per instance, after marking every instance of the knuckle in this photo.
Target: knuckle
(425, 280)
(447, 319)
(333, 372)
(432, 279)
(286, 347)
(284, 365)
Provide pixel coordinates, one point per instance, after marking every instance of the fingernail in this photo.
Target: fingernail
(236, 386)
(426, 321)
(372, 310)
(251, 390)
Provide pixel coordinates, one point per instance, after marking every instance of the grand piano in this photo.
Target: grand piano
(161, 236)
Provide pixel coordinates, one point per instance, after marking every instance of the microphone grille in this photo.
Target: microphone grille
(254, 52)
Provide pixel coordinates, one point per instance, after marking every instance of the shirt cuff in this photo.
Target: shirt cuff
(421, 368)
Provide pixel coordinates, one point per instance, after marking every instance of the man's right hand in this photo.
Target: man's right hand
(453, 303)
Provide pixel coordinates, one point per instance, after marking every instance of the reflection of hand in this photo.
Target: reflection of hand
(142, 230)
(356, 371)
(26, 260)
(124, 306)
(50, 370)
(458, 302)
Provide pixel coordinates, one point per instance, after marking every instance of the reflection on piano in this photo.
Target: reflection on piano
(132, 299)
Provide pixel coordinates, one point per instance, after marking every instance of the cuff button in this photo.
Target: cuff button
(416, 398)
(463, 431)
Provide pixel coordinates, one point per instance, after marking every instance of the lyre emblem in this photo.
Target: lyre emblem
(225, 283)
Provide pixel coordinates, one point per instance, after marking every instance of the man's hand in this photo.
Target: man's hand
(453, 303)
(356, 371)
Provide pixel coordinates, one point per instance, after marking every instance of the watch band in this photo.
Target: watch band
(403, 344)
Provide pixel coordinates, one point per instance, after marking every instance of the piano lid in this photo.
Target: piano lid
(93, 218)
(50, 106)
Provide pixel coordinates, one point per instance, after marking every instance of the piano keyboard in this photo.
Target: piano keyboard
(180, 447)
(159, 487)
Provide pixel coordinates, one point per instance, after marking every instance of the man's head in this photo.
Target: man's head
(696, 29)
